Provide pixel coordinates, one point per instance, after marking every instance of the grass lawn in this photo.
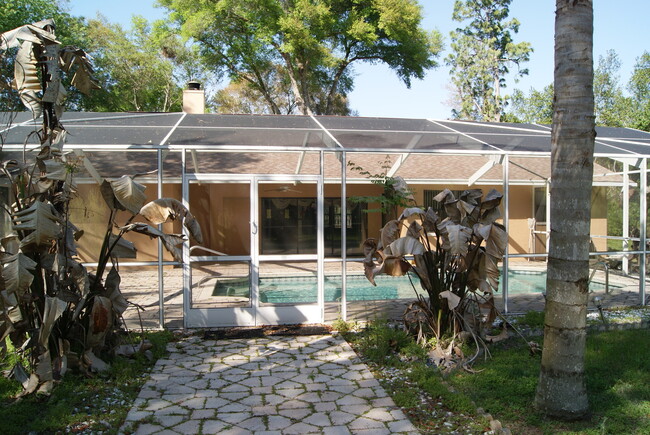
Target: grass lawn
(618, 382)
(79, 403)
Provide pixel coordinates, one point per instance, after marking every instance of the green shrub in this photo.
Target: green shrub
(414, 350)
(533, 319)
(344, 327)
(103, 400)
(381, 342)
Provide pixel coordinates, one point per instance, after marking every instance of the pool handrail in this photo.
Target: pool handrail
(606, 268)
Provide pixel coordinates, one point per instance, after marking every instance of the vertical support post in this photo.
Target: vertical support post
(626, 216)
(185, 193)
(344, 243)
(161, 286)
(506, 222)
(643, 212)
(321, 236)
(254, 266)
(547, 237)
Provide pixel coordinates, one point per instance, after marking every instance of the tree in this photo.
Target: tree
(15, 13)
(455, 258)
(313, 42)
(132, 70)
(536, 107)
(239, 97)
(612, 108)
(639, 87)
(482, 54)
(561, 390)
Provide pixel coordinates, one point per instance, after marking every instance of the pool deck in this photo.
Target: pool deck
(141, 288)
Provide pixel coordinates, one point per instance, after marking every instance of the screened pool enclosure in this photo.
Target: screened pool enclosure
(277, 198)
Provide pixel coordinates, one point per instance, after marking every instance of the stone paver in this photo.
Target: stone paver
(280, 385)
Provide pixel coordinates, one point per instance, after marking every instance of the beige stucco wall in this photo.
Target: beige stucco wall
(223, 209)
(89, 212)
(599, 217)
(521, 209)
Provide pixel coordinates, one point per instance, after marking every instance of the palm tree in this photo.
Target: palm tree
(561, 391)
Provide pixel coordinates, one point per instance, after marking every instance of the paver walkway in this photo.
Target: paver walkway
(278, 385)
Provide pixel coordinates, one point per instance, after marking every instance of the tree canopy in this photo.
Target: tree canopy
(614, 107)
(534, 107)
(312, 42)
(611, 106)
(70, 30)
(133, 73)
(639, 87)
(481, 56)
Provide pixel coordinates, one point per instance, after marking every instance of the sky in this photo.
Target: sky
(621, 25)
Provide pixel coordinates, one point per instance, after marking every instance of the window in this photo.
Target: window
(355, 224)
(289, 226)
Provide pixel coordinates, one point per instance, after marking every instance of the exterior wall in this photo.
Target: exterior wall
(521, 240)
(521, 198)
(89, 212)
(223, 216)
(599, 217)
(223, 212)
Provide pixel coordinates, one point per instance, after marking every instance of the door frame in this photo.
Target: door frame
(255, 314)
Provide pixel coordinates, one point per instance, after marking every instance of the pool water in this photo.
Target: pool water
(523, 281)
(304, 289)
(292, 290)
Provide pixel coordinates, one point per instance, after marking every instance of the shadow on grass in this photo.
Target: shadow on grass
(618, 384)
(79, 403)
(618, 380)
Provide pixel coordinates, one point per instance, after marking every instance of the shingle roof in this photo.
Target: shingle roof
(430, 149)
(319, 132)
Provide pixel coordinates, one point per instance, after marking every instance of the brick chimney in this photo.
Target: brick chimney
(193, 98)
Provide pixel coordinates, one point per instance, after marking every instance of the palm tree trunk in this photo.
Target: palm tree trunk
(561, 391)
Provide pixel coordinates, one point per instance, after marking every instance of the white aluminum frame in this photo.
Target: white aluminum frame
(255, 314)
(637, 160)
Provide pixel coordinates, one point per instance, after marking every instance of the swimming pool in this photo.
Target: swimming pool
(304, 289)
(534, 281)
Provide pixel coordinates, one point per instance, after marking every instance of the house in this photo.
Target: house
(267, 191)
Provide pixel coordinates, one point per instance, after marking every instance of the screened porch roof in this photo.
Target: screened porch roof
(101, 130)
(448, 151)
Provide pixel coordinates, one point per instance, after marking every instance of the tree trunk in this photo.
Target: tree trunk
(303, 106)
(561, 391)
(335, 83)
